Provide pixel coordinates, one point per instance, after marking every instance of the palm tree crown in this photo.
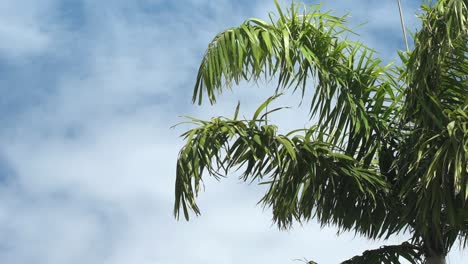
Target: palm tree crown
(389, 150)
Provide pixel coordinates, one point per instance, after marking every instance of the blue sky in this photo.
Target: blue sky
(87, 157)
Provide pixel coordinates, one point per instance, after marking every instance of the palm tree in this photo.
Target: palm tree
(388, 152)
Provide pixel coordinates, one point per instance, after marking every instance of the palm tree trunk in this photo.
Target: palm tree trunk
(436, 260)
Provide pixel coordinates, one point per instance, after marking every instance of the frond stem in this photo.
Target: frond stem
(403, 24)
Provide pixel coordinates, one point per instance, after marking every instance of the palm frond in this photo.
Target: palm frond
(389, 255)
(307, 177)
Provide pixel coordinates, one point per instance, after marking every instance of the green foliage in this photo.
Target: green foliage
(389, 150)
(303, 172)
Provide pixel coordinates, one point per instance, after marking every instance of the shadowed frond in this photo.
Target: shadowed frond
(389, 255)
(433, 157)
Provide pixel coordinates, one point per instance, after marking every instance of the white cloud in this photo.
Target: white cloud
(93, 163)
(21, 40)
(22, 28)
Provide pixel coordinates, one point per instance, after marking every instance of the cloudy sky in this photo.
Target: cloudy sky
(89, 91)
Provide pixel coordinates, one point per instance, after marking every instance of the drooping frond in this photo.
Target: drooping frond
(295, 47)
(307, 177)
